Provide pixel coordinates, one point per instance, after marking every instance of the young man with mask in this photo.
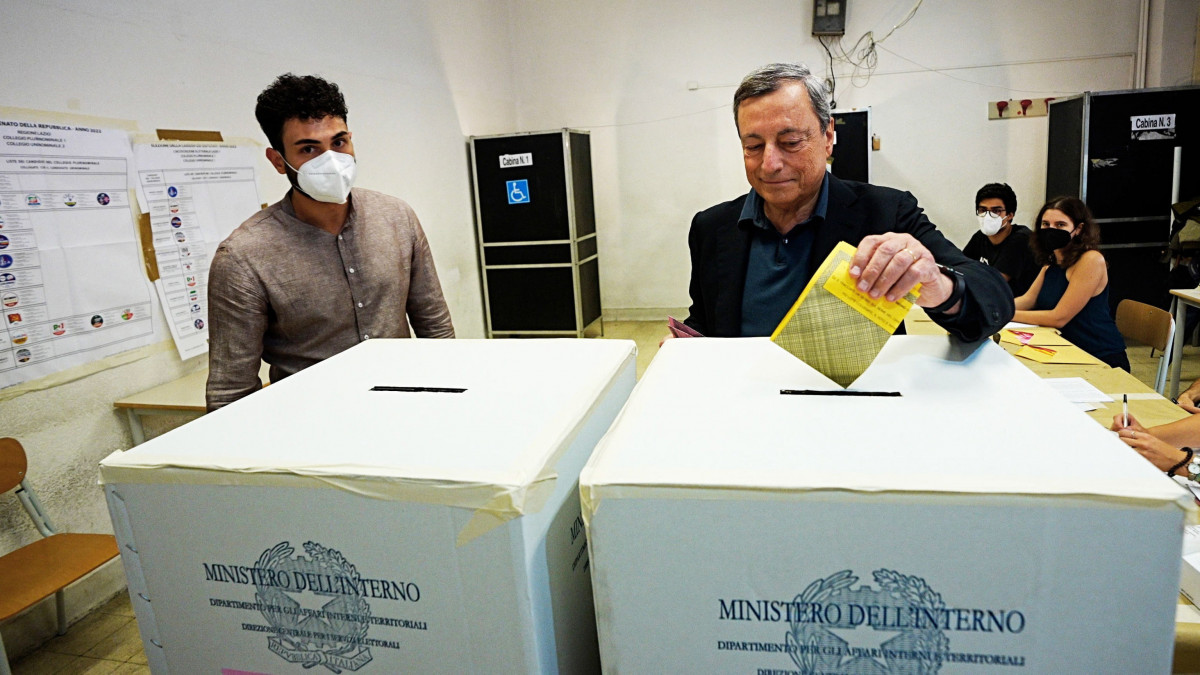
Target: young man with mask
(999, 242)
(326, 267)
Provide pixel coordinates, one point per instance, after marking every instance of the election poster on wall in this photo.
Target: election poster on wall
(196, 194)
(71, 283)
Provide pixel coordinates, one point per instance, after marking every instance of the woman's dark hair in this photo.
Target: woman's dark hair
(290, 96)
(1088, 238)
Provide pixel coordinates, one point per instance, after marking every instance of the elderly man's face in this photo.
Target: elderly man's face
(784, 146)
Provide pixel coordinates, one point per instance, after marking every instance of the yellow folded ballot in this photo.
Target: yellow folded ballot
(834, 327)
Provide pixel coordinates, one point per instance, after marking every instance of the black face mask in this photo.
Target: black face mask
(1051, 239)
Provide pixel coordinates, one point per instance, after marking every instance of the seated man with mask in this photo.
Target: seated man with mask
(326, 267)
(999, 242)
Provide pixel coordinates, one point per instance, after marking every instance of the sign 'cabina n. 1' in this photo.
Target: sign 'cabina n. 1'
(949, 524)
(405, 506)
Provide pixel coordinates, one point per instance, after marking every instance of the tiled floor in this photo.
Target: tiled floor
(645, 333)
(107, 641)
(1143, 367)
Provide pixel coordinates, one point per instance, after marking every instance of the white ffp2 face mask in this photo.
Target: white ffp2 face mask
(327, 177)
(989, 223)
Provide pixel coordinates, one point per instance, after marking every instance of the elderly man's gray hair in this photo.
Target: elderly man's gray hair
(769, 78)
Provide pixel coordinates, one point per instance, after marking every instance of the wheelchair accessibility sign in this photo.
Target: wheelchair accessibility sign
(518, 191)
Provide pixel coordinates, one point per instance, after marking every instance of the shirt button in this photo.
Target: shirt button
(351, 270)
(339, 237)
(360, 304)
(366, 337)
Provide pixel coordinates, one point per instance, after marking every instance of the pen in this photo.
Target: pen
(1125, 407)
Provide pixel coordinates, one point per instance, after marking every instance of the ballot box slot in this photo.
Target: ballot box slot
(836, 392)
(434, 390)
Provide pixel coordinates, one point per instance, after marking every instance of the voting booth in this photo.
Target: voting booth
(1129, 155)
(405, 506)
(536, 223)
(963, 517)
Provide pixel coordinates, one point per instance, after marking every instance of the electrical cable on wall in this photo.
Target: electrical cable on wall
(831, 79)
(1011, 90)
(863, 56)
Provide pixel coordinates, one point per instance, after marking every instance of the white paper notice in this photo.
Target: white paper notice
(72, 288)
(1077, 390)
(196, 194)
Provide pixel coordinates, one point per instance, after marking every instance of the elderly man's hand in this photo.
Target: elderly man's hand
(890, 264)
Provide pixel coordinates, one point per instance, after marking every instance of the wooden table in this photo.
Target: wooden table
(1145, 404)
(1183, 299)
(184, 396)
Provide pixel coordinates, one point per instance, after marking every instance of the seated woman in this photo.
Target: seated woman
(1071, 291)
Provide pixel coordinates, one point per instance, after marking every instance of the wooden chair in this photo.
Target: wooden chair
(45, 567)
(1150, 326)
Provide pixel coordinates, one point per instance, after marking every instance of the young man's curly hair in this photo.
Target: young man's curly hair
(306, 97)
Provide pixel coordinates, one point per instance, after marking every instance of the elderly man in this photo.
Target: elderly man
(326, 267)
(751, 257)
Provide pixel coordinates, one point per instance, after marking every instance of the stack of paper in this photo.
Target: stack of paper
(1045, 345)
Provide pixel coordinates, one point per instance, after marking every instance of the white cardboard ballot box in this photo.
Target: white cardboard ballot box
(977, 522)
(1189, 573)
(320, 525)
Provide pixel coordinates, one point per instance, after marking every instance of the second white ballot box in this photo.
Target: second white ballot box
(405, 506)
(953, 514)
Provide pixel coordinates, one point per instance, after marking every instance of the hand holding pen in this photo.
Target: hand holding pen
(1160, 453)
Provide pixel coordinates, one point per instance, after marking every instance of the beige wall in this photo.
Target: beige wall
(417, 77)
(661, 151)
(421, 75)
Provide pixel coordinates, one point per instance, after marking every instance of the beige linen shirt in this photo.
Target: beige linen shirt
(293, 294)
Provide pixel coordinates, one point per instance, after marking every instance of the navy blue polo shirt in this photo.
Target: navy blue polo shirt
(777, 270)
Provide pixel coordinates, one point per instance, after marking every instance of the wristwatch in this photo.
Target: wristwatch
(1193, 468)
(960, 289)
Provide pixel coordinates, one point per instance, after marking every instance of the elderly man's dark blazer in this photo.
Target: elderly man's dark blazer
(720, 252)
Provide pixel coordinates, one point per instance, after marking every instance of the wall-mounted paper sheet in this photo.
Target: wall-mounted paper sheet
(71, 283)
(196, 194)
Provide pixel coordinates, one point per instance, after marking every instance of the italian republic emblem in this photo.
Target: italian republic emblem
(815, 648)
(331, 636)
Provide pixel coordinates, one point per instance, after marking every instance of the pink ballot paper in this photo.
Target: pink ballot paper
(680, 329)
